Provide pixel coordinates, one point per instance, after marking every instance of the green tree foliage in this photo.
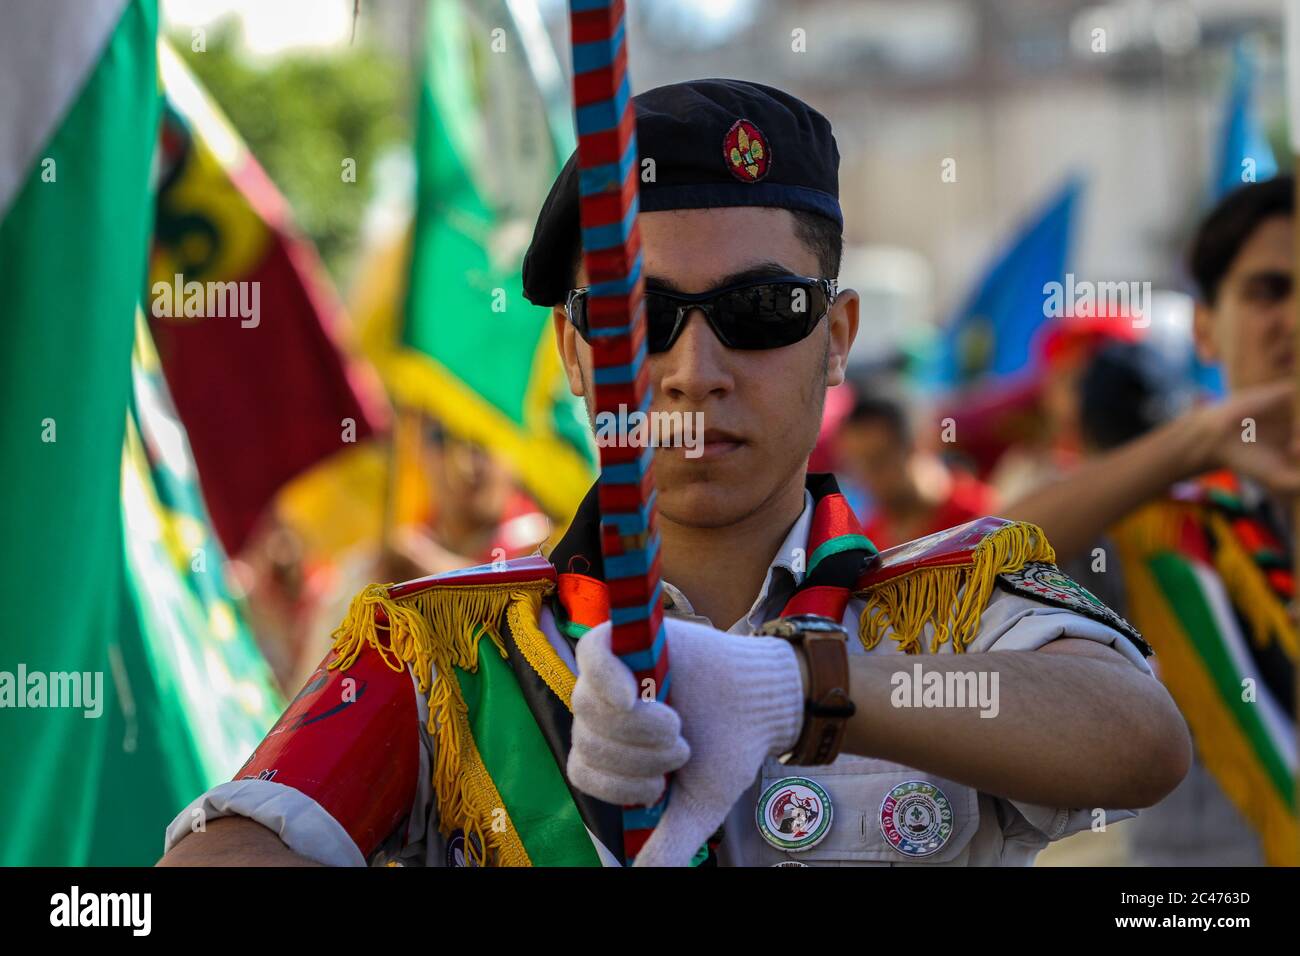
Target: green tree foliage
(302, 115)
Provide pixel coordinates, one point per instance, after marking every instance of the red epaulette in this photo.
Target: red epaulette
(532, 568)
(944, 581)
(954, 547)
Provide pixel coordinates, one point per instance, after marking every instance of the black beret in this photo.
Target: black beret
(714, 143)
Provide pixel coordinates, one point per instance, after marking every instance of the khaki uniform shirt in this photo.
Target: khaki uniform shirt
(985, 829)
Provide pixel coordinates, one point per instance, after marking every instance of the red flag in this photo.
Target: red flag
(244, 318)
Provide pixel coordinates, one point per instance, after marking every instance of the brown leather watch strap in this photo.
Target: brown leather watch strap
(827, 706)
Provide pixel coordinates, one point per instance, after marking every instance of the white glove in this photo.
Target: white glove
(735, 701)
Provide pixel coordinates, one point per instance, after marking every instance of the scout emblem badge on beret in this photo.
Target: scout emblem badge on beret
(916, 818)
(794, 814)
(746, 151)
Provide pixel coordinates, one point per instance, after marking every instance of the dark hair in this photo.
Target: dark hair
(884, 406)
(820, 234)
(823, 237)
(1128, 389)
(1230, 225)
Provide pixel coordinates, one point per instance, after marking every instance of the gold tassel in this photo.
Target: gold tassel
(951, 599)
(1220, 743)
(1155, 527)
(1265, 613)
(434, 632)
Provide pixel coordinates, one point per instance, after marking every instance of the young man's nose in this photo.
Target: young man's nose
(697, 365)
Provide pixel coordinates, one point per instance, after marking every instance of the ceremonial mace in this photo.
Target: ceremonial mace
(611, 242)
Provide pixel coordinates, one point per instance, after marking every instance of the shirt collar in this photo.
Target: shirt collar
(784, 574)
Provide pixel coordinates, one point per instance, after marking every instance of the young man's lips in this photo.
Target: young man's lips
(717, 444)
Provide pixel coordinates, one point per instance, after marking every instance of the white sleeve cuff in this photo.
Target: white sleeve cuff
(303, 824)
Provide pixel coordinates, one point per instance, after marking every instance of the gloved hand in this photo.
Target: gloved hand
(735, 700)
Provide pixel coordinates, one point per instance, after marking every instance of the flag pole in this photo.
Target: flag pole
(608, 203)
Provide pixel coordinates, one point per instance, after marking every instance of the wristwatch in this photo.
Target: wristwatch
(827, 707)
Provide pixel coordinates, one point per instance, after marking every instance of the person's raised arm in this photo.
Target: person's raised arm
(1247, 432)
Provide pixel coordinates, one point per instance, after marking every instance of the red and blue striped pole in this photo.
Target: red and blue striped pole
(607, 188)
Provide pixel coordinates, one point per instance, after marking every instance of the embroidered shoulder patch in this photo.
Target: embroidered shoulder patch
(1048, 583)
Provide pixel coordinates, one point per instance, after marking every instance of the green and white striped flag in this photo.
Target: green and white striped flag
(127, 683)
(493, 131)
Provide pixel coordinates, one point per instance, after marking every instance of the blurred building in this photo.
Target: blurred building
(1019, 92)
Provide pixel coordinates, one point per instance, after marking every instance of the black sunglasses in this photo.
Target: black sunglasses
(765, 313)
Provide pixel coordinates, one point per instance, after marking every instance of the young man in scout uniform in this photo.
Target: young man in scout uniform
(497, 754)
(1205, 564)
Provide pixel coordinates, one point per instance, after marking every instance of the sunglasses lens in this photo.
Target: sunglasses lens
(766, 315)
(661, 318)
(769, 315)
(577, 308)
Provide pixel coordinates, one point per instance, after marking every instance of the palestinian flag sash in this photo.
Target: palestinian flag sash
(1209, 580)
(500, 712)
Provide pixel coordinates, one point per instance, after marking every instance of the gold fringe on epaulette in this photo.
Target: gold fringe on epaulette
(433, 632)
(951, 599)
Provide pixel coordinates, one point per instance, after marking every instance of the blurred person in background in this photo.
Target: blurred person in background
(1125, 391)
(1200, 515)
(274, 575)
(477, 513)
(1065, 348)
(913, 491)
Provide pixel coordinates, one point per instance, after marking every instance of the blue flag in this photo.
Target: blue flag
(1244, 156)
(1244, 153)
(991, 334)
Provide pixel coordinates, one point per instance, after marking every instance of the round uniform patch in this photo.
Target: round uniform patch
(794, 814)
(916, 818)
(746, 151)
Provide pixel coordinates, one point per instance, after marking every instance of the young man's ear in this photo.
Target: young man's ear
(566, 340)
(843, 321)
(1206, 345)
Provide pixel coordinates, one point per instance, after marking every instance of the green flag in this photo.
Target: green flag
(111, 662)
(493, 131)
